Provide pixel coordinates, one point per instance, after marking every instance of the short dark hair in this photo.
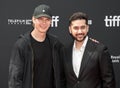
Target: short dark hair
(78, 15)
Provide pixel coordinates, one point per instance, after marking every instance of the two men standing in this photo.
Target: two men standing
(39, 60)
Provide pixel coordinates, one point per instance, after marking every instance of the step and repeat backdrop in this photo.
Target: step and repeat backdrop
(104, 21)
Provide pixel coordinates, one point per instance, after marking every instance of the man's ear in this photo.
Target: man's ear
(87, 28)
(69, 30)
(33, 19)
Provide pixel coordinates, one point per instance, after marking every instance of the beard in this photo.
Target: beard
(79, 37)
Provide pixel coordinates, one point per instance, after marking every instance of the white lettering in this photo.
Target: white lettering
(55, 20)
(112, 21)
(54, 23)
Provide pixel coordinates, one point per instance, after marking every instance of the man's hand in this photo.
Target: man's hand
(94, 40)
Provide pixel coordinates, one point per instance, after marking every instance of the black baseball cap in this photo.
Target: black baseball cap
(42, 10)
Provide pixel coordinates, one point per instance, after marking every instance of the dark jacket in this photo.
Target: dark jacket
(96, 68)
(21, 63)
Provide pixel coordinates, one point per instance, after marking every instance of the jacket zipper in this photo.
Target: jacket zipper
(54, 63)
(32, 65)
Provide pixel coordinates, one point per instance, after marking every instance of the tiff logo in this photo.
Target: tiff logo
(55, 20)
(54, 23)
(112, 21)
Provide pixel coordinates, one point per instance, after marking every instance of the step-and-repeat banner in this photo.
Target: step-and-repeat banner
(104, 20)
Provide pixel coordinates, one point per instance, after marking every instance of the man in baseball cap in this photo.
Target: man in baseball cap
(37, 57)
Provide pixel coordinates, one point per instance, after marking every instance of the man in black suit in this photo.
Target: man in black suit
(88, 63)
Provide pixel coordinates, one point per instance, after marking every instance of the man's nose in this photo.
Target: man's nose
(79, 30)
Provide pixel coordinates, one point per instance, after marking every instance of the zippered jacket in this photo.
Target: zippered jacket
(21, 63)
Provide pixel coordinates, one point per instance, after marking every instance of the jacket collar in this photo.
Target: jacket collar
(90, 47)
(26, 37)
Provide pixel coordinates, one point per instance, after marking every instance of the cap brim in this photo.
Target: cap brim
(43, 15)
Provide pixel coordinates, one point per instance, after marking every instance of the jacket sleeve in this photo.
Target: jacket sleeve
(106, 69)
(59, 66)
(62, 57)
(16, 68)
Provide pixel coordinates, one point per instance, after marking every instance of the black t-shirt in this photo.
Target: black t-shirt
(43, 68)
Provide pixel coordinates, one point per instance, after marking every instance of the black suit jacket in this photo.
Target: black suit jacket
(96, 68)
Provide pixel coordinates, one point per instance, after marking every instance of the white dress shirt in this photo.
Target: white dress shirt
(77, 56)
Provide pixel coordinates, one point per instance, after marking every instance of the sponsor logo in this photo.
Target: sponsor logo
(19, 22)
(55, 20)
(115, 59)
(90, 22)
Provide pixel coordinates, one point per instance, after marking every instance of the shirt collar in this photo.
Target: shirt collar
(83, 45)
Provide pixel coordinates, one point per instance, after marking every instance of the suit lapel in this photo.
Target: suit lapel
(69, 60)
(86, 56)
